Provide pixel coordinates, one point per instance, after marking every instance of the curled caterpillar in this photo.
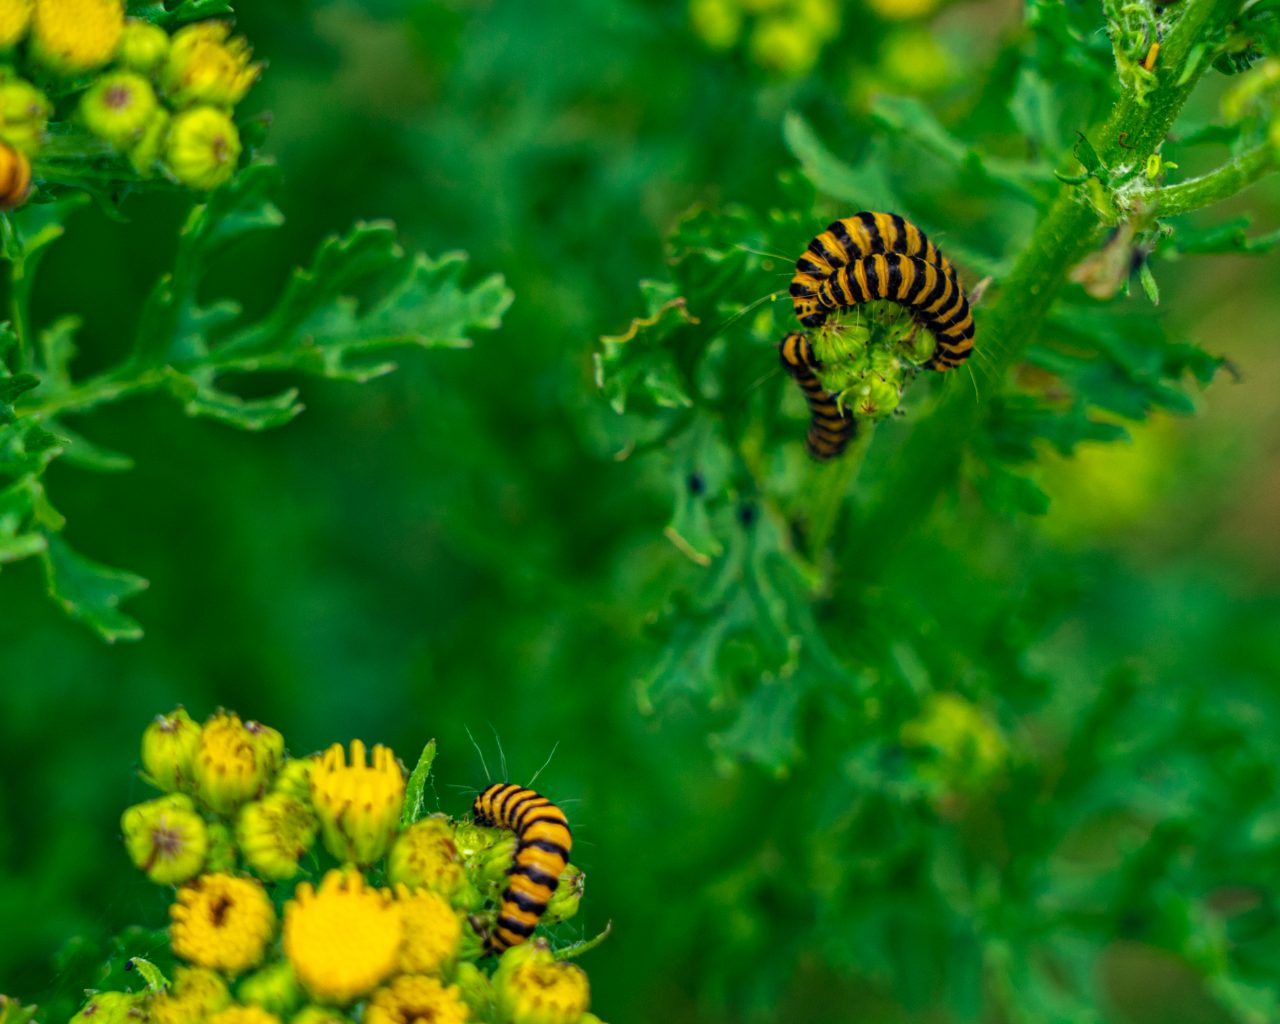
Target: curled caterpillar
(933, 295)
(850, 239)
(831, 427)
(15, 177)
(543, 842)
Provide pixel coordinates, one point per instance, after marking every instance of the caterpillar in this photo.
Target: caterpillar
(15, 177)
(853, 238)
(934, 296)
(831, 428)
(543, 842)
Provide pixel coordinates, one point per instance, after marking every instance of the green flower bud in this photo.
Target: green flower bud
(24, 115)
(718, 22)
(568, 895)
(202, 148)
(222, 848)
(111, 1008)
(492, 864)
(168, 746)
(207, 65)
(273, 834)
(234, 760)
(476, 990)
(195, 992)
(274, 988)
(532, 987)
(13, 1012)
(15, 16)
(784, 44)
(918, 346)
(471, 840)
(143, 46)
(874, 398)
(145, 153)
(424, 855)
(118, 107)
(166, 838)
(294, 778)
(883, 363)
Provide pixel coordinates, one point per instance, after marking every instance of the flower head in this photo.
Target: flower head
(73, 36)
(24, 114)
(111, 1008)
(166, 838)
(274, 988)
(243, 1015)
(195, 993)
(168, 747)
(206, 64)
(118, 107)
(15, 177)
(142, 45)
(319, 1015)
(15, 16)
(568, 895)
(532, 987)
(342, 938)
(203, 147)
(358, 803)
(424, 854)
(294, 778)
(273, 833)
(222, 922)
(414, 999)
(234, 759)
(432, 932)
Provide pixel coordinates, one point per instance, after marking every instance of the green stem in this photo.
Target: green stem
(830, 483)
(1217, 185)
(930, 457)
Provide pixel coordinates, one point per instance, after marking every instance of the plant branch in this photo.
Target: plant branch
(1215, 186)
(931, 455)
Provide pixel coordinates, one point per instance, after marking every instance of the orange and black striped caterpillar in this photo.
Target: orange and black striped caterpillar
(832, 427)
(543, 842)
(933, 295)
(849, 239)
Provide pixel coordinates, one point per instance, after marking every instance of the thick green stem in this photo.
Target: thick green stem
(830, 484)
(930, 458)
(1215, 186)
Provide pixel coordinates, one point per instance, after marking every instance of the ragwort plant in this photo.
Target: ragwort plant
(948, 823)
(99, 103)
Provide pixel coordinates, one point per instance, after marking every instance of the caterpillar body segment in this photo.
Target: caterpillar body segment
(831, 428)
(848, 240)
(543, 843)
(932, 294)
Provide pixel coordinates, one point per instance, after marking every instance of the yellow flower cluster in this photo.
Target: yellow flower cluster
(162, 103)
(389, 928)
(782, 36)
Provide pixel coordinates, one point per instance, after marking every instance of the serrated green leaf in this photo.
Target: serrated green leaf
(91, 592)
(642, 358)
(201, 399)
(1148, 280)
(865, 187)
(415, 793)
(11, 388)
(79, 451)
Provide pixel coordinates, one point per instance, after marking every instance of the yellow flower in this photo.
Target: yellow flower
(168, 746)
(166, 839)
(207, 65)
(273, 833)
(196, 992)
(143, 45)
(242, 1015)
(424, 854)
(73, 36)
(534, 988)
(15, 16)
(24, 114)
(786, 45)
(342, 939)
(15, 177)
(718, 22)
(203, 148)
(234, 760)
(358, 804)
(222, 922)
(901, 10)
(118, 107)
(412, 999)
(432, 932)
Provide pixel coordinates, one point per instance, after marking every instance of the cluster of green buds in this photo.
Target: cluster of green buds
(120, 100)
(782, 36)
(315, 890)
(867, 356)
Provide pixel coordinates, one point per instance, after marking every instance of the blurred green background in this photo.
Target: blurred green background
(454, 551)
